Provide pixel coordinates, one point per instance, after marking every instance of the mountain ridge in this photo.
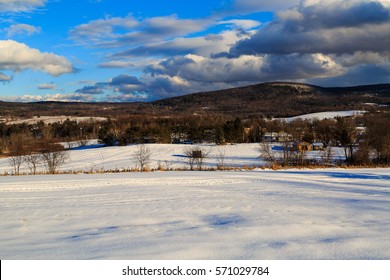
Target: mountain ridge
(281, 99)
(276, 99)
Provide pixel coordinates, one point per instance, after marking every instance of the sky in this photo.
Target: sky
(125, 51)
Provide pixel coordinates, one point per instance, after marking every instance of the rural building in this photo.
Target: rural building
(317, 146)
(277, 137)
(302, 146)
(180, 138)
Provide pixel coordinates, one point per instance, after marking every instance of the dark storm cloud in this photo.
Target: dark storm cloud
(246, 68)
(322, 29)
(169, 66)
(332, 16)
(359, 75)
(252, 6)
(121, 84)
(124, 80)
(163, 49)
(125, 84)
(90, 90)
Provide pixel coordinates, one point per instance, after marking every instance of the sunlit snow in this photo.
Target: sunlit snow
(258, 214)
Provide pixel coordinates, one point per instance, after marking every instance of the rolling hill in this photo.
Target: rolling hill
(278, 99)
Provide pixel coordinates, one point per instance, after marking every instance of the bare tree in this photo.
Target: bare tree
(191, 159)
(285, 155)
(17, 150)
(33, 156)
(53, 156)
(16, 160)
(298, 158)
(267, 154)
(327, 155)
(142, 156)
(221, 153)
(33, 160)
(288, 153)
(196, 156)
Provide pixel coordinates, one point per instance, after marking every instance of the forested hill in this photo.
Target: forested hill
(279, 99)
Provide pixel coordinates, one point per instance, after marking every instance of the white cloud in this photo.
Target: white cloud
(119, 32)
(58, 97)
(343, 4)
(203, 45)
(20, 5)
(246, 68)
(71, 97)
(47, 86)
(4, 78)
(24, 98)
(241, 23)
(18, 57)
(197, 68)
(291, 14)
(101, 30)
(21, 30)
(127, 97)
(117, 64)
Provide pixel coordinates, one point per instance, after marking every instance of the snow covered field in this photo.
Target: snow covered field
(169, 156)
(50, 119)
(260, 214)
(325, 115)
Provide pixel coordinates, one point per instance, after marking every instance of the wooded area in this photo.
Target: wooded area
(365, 139)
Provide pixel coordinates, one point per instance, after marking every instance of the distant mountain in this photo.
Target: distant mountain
(278, 99)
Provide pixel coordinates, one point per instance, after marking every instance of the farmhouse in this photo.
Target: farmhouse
(180, 138)
(276, 137)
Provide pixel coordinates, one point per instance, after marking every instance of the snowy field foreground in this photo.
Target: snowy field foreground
(260, 214)
(96, 157)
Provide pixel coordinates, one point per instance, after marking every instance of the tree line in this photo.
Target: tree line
(365, 139)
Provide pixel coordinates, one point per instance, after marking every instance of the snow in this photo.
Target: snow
(325, 115)
(95, 157)
(51, 119)
(258, 214)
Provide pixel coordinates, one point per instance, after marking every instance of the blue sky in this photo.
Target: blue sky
(116, 50)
